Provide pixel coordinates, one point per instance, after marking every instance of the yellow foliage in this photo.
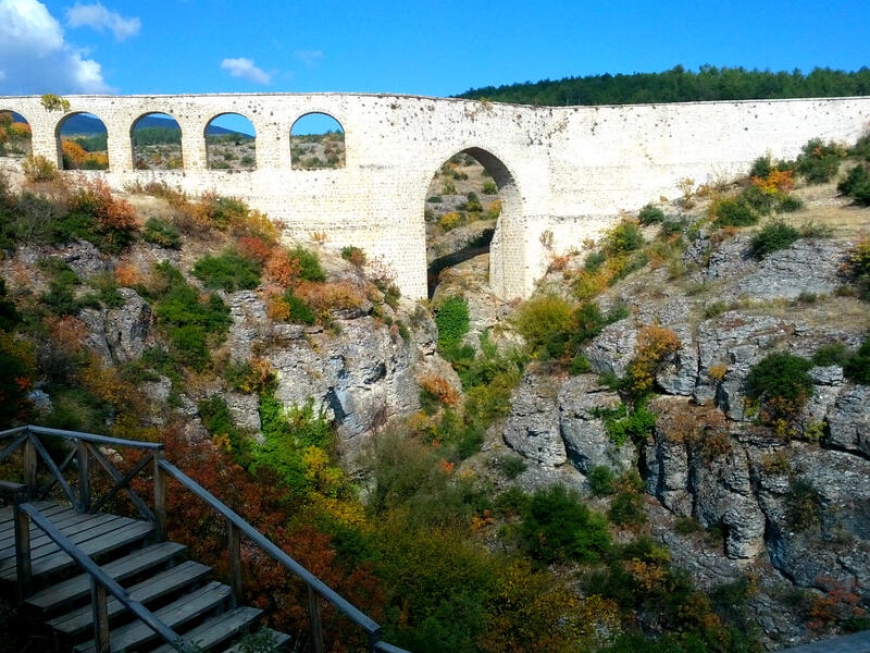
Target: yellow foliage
(776, 183)
(717, 372)
(655, 344)
(450, 220)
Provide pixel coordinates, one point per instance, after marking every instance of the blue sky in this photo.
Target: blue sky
(422, 47)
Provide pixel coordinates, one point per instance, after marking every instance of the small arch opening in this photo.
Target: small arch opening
(230, 141)
(317, 143)
(156, 139)
(462, 209)
(83, 142)
(15, 135)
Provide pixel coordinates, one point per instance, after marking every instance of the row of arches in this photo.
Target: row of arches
(316, 142)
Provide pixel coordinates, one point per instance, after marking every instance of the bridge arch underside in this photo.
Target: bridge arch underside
(506, 245)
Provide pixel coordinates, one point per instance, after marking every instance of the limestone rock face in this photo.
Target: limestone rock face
(849, 420)
(555, 422)
(582, 428)
(118, 335)
(532, 429)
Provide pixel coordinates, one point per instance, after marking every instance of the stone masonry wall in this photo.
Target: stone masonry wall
(566, 171)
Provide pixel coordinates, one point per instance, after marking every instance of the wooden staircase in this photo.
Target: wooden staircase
(99, 582)
(177, 590)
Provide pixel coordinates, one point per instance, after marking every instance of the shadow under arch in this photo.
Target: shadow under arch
(503, 242)
(155, 138)
(317, 142)
(82, 142)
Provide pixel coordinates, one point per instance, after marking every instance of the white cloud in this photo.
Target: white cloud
(35, 58)
(309, 57)
(246, 69)
(97, 17)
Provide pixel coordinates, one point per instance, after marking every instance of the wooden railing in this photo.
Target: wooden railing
(101, 583)
(85, 448)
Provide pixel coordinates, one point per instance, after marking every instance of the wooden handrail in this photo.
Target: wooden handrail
(237, 526)
(102, 582)
(313, 582)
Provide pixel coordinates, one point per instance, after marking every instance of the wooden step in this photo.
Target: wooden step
(70, 525)
(217, 630)
(276, 641)
(119, 533)
(167, 582)
(191, 606)
(134, 563)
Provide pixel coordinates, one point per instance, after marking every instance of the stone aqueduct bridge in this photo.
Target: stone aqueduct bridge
(563, 173)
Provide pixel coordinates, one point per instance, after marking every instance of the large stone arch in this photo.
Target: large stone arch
(507, 263)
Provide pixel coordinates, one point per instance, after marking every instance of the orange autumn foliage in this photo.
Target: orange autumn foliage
(262, 502)
(281, 268)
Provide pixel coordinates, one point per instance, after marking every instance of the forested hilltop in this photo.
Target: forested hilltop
(680, 85)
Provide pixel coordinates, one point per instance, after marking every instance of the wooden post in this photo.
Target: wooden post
(101, 616)
(30, 461)
(316, 620)
(24, 572)
(84, 476)
(234, 543)
(159, 497)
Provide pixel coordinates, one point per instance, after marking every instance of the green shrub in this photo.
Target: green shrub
(191, 322)
(309, 264)
(782, 381)
(354, 255)
(833, 353)
(298, 311)
(756, 199)
(761, 167)
(670, 228)
(594, 261)
(650, 214)
(623, 426)
(601, 481)
(452, 320)
(857, 368)
(774, 236)
(624, 237)
(218, 421)
(512, 466)
(733, 213)
(557, 526)
(803, 505)
(818, 162)
(790, 204)
(857, 184)
(230, 271)
(546, 325)
(162, 233)
(626, 509)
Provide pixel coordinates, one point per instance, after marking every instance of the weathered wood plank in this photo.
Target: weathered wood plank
(132, 564)
(79, 532)
(197, 603)
(278, 640)
(160, 585)
(219, 629)
(92, 545)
